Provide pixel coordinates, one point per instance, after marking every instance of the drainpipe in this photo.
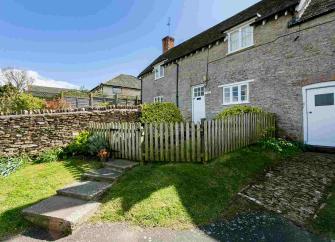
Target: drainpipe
(141, 90)
(177, 84)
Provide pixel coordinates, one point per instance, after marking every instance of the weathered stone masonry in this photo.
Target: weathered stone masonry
(35, 132)
(281, 62)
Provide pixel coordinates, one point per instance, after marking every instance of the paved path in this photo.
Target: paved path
(295, 187)
(251, 227)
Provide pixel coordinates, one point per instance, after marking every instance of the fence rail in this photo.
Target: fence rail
(185, 142)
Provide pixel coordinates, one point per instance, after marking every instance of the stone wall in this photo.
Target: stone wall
(281, 62)
(31, 133)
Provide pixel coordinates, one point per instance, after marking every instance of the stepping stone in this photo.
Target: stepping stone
(60, 214)
(87, 190)
(121, 165)
(104, 174)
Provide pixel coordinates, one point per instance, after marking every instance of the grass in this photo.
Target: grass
(182, 195)
(325, 222)
(31, 184)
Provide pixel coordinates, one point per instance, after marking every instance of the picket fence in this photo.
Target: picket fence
(186, 141)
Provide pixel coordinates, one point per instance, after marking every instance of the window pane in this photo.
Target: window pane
(244, 93)
(234, 40)
(161, 71)
(324, 99)
(235, 94)
(202, 91)
(227, 95)
(247, 36)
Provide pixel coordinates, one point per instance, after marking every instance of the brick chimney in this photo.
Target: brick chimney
(168, 43)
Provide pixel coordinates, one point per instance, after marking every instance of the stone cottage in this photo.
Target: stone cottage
(276, 54)
(122, 85)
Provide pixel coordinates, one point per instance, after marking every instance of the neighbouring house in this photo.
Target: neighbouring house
(46, 92)
(122, 85)
(276, 54)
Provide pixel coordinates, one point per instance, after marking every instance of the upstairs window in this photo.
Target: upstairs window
(116, 90)
(240, 38)
(159, 71)
(158, 99)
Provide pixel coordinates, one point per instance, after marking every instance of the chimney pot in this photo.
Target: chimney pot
(168, 43)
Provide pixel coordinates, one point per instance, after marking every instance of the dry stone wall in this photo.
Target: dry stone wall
(34, 132)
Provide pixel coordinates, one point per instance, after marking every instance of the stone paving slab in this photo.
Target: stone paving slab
(86, 190)
(103, 174)
(61, 214)
(295, 187)
(121, 164)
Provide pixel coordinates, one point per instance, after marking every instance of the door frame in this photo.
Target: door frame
(192, 98)
(304, 98)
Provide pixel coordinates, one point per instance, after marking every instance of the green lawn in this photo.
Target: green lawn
(31, 184)
(182, 195)
(325, 222)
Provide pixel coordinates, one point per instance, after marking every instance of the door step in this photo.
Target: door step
(60, 214)
(103, 174)
(121, 165)
(86, 190)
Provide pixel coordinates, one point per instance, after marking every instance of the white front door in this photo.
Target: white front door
(320, 116)
(198, 103)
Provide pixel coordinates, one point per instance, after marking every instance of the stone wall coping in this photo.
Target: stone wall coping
(45, 112)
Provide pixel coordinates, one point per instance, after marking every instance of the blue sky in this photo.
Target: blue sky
(88, 42)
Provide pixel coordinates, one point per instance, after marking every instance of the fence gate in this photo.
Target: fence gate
(124, 138)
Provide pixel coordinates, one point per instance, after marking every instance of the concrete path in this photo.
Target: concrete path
(295, 187)
(249, 227)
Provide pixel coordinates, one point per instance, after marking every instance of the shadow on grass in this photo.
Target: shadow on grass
(180, 194)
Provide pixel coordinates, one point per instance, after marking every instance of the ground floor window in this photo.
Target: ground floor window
(158, 99)
(235, 93)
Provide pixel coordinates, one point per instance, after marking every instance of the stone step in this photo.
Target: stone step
(86, 190)
(60, 214)
(103, 174)
(121, 165)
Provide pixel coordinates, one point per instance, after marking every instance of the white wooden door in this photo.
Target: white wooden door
(320, 114)
(198, 103)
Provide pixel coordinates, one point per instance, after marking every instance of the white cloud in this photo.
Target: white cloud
(39, 80)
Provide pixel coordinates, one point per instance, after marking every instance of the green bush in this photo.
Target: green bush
(25, 101)
(10, 164)
(79, 146)
(50, 155)
(160, 112)
(97, 142)
(236, 110)
(280, 145)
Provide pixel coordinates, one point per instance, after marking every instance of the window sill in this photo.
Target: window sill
(240, 50)
(159, 78)
(236, 103)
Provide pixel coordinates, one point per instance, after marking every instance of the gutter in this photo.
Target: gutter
(177, 84)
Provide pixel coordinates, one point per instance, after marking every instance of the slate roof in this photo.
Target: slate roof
(317, 8)
(122, 81)
(265, 8)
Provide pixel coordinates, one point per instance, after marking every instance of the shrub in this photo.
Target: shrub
(50, 155)
(236, 110)
(97, 142)
(25, 101)
(160, 112)
(10, 164)
(280, 145)
(57, 104)
(79, 146)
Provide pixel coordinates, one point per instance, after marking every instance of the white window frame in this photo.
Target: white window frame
(239, 85)
(158, 99)
(239, 29)
(161, 71)
(116, 88)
